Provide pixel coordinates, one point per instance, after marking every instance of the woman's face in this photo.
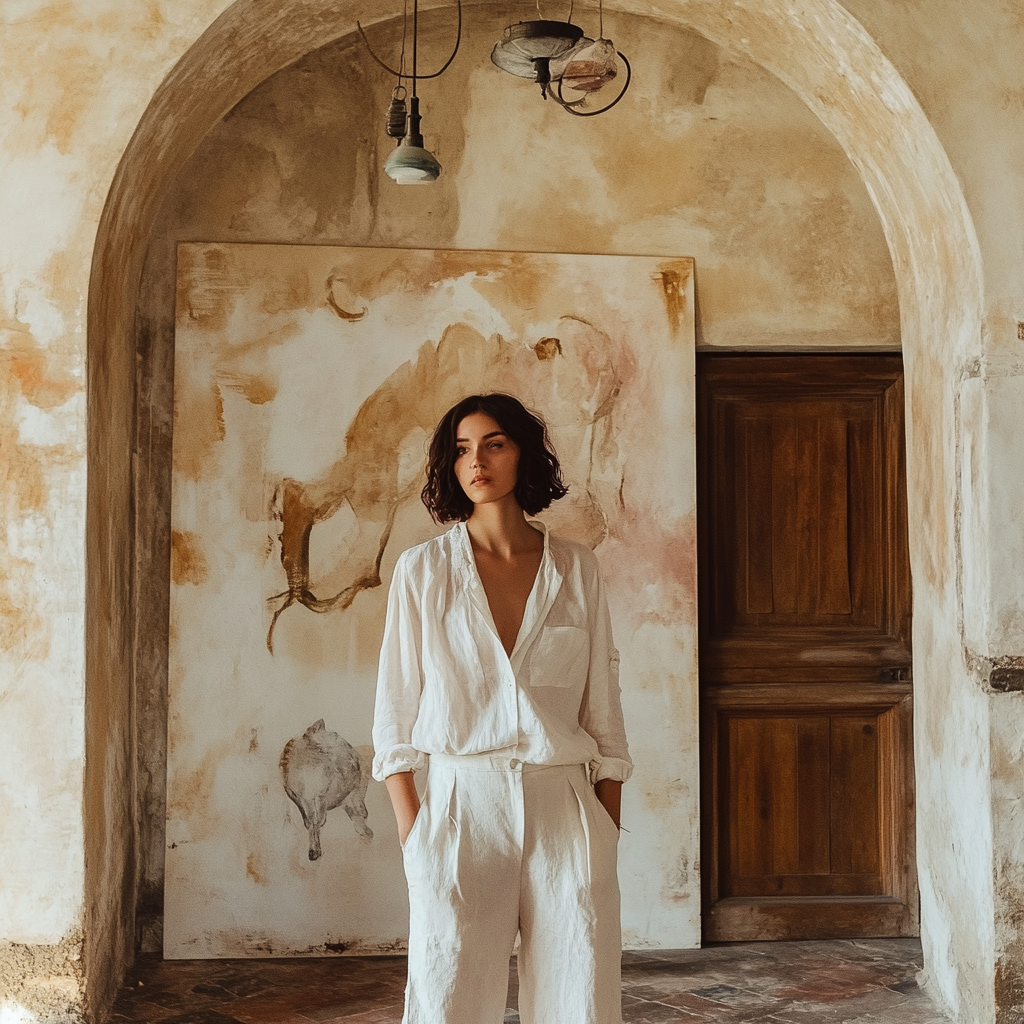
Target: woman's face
(486, 459)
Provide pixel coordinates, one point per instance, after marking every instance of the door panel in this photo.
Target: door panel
(805, 648)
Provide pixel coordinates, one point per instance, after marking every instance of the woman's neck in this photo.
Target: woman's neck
(500, 527)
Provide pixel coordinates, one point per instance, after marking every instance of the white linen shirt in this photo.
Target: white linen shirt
(446, 686)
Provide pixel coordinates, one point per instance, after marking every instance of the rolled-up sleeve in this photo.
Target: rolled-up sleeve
(399, 680)
(601, 710)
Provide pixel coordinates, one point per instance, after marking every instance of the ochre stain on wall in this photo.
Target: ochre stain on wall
(22, 629)
(194, 796)
(32, 366)
(257, 389)
(256, 869)
(32, 472)
(674, 291)
(80, 77)
(199, 434)
(188, 563)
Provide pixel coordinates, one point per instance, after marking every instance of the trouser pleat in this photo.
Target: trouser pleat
(493, 853)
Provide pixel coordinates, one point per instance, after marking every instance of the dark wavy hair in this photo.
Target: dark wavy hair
(540, 476)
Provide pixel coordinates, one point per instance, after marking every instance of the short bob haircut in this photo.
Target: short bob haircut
(540, 476)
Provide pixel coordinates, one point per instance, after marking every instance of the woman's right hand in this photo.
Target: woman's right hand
(405, 801)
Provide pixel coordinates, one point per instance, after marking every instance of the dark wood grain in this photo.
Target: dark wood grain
(807, 773)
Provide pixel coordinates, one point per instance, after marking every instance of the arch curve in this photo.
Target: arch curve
(825, 57)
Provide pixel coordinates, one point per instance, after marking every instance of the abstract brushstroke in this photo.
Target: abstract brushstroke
(322, 771)
(333, 283)
(579, 375)
(548, 348)
(674, 289)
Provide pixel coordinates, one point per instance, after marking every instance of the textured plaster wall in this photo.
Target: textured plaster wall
(963, 62)
(64, 122)
(77, 79)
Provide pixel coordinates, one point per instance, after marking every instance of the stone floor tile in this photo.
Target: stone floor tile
(272, 1017)
(380, 1015)
(270, 1010)
(882, 1003)
(337, 1011)
(245, 988)
(729, 994)
(867, 981)
(918, 1013)
(837, 984)
(143, 1010)
(684, 1001)
(806, 1015)
(212, 990)
(644, 1012)
(200, 1017)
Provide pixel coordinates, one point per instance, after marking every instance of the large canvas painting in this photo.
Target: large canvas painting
(307, 382)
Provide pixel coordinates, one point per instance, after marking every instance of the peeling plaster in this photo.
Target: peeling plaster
(43, 981)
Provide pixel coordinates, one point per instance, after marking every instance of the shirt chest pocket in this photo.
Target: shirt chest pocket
(559, 657)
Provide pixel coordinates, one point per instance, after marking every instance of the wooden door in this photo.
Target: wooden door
(807, 770)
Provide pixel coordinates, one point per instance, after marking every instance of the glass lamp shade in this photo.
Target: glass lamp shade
(531, 41)
(590, 66)
(412, 165)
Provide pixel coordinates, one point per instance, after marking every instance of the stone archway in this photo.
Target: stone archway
(829, 61)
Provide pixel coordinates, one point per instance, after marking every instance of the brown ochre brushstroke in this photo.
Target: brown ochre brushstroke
(673, 287)
(345, 314)
(413, 398)
(188, 563)
(548, 348)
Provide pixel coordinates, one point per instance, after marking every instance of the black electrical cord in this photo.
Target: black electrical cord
(414, 76)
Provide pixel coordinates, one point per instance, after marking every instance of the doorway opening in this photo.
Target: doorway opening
(805, 648)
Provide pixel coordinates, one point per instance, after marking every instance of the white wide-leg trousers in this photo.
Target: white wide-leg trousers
(500, 847)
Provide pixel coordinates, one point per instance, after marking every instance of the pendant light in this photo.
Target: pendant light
(410, 163)
(527, 49)
(558, 52)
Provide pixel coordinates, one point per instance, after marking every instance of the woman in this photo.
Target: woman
(498, 669)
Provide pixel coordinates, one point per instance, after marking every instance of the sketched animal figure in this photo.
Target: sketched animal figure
(323, 771)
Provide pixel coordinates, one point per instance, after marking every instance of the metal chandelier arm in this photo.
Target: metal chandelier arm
(593, 113)
(560, 99)
(416, 77)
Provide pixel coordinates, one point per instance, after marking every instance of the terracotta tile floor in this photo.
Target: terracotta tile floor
(868, 981)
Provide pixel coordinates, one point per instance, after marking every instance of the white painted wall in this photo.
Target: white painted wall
(65, 118)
